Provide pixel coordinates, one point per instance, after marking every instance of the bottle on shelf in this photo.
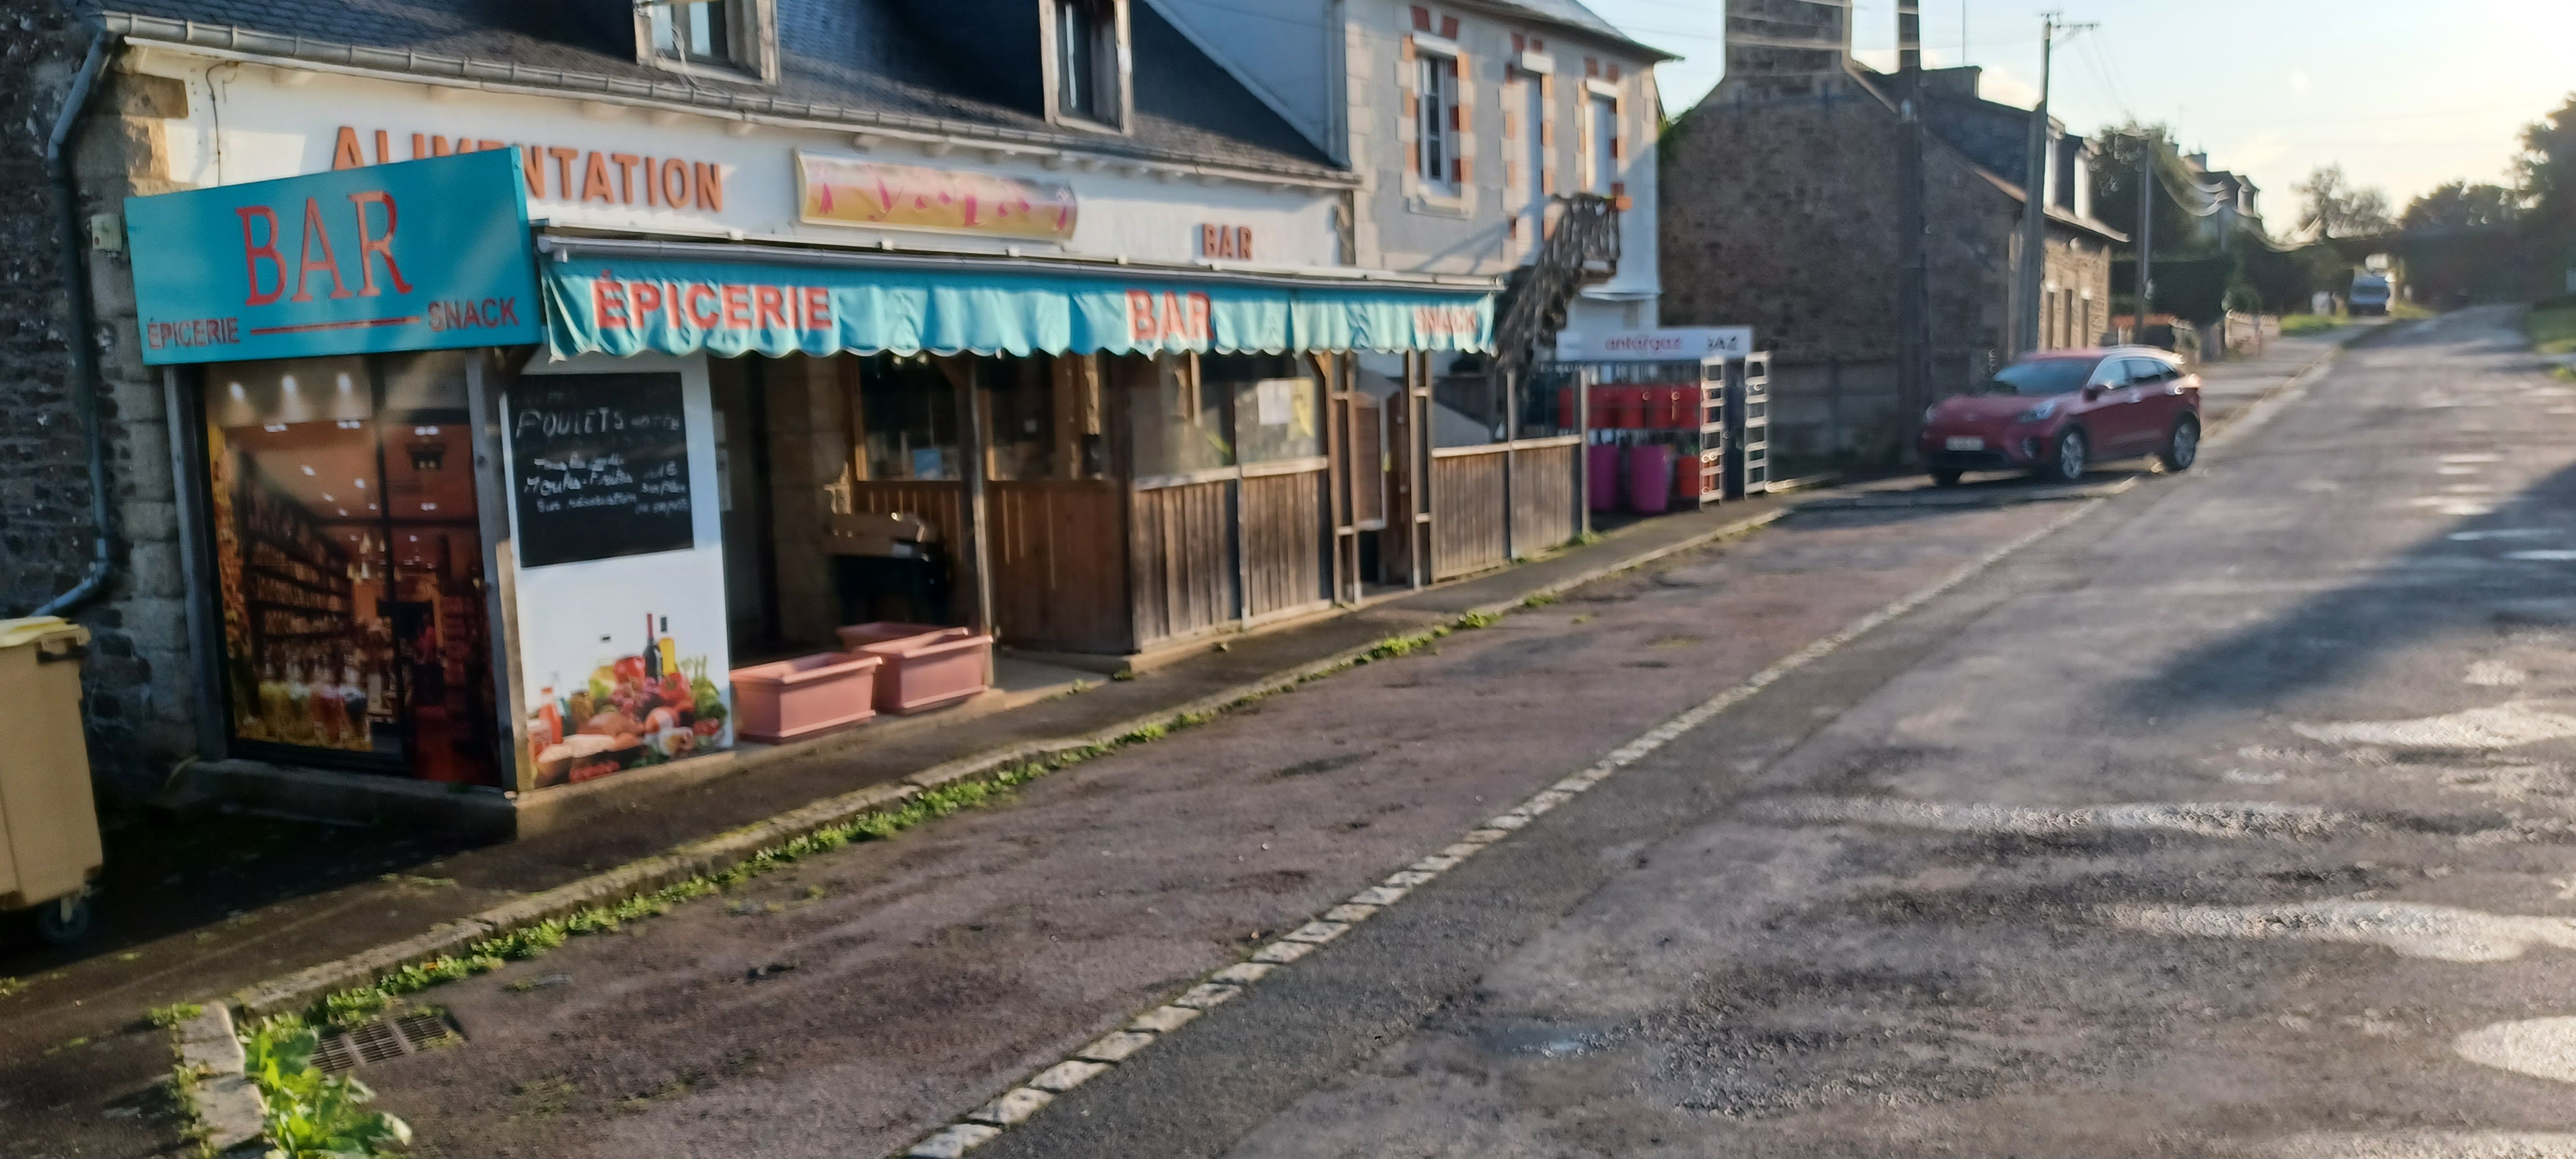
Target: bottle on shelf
(353, 708)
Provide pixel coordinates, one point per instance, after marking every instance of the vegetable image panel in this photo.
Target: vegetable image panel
(623, 668)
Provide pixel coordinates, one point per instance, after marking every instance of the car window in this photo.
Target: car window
(2148, 370)
(2040, 377)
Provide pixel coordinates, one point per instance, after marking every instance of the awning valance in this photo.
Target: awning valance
(621, 306)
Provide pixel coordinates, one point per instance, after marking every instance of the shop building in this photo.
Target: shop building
(1029, 318)
(1480, 129)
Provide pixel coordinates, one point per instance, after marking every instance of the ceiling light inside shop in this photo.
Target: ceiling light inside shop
(424, 430)
(238, 393)
(273, 428)
(429, 507)
(362, 484)
(289, 382)
(326, 497)
(344, 384)
(308, 469)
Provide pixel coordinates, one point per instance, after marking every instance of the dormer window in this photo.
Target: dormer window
(691, 31)
(1090, 82)
(732, 35)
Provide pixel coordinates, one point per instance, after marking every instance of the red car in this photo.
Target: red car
(2055, 412)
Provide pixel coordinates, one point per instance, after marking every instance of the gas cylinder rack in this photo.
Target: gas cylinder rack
(1655, 431)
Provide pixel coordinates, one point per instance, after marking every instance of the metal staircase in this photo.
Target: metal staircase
(1582, 249)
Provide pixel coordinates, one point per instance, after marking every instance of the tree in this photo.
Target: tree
(2547, 167)
(2116, 185)
(2461, 205)
(2333, 208)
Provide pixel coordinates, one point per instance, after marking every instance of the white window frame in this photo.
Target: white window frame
(1112, 67)
(1435, 122)
(750, 32)
(1600, 139)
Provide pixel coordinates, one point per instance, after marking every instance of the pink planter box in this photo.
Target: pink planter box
(925, 667)
(803, 696)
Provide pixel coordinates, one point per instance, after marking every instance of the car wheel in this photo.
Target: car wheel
(2182, 447)
(63, 921)
(1945, 478)
(2067, 458)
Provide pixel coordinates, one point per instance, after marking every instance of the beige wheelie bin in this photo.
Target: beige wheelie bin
(49, 848)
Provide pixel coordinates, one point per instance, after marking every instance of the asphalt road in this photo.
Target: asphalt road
(862, 999)
(2233, 819)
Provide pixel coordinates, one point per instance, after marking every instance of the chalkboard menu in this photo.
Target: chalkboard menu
(600, 466)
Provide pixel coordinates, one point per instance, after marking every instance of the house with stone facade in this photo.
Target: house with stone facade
(1782, 203)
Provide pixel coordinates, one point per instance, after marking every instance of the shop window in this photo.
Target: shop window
(1043, 416)
(1177, 425)
(1277, 401)
(908, 418)
(1467, 403)
(349, 557)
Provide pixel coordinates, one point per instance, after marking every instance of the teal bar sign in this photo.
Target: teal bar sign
(417, 255)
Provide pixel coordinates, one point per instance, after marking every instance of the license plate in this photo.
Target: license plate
(1966, 443)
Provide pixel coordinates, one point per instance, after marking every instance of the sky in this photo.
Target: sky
(2406, 94)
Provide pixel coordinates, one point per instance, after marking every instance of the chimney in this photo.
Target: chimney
(1786, 47)
(1909, 36)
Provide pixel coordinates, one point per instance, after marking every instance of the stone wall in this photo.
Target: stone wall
(1781, 214)
(142, 706)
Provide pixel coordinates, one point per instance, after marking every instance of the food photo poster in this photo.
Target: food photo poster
(623, 655)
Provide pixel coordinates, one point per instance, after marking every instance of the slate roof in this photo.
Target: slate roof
(861, 61)
(1572, 14)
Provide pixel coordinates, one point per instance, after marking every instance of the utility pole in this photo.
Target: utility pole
(2033, 264)
(1913, 312)
(2146, 230)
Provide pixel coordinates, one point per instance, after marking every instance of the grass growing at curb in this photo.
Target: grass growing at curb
(346, 1008)
(2294, 325)
(169, 1017)
(2552, 328)
(350, 1007)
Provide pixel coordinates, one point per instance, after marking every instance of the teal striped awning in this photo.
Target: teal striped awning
(621, 306)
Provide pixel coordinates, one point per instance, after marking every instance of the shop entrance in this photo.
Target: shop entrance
(349, 564)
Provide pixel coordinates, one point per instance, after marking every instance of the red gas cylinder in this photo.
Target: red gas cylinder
(1630, 411)
(1565, 408)
(1696, 475)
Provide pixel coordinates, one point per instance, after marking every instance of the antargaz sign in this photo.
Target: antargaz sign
(416, 255)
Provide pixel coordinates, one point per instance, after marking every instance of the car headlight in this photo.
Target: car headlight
(2038, 413)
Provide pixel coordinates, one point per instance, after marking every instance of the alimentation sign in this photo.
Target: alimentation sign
(416, 255)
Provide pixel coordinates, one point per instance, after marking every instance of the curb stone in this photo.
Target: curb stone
(716, 854)
(225, 1102)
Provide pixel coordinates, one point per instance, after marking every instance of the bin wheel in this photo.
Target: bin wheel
(63, 921)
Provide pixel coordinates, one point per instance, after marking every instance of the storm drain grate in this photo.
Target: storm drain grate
(384, 1040)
